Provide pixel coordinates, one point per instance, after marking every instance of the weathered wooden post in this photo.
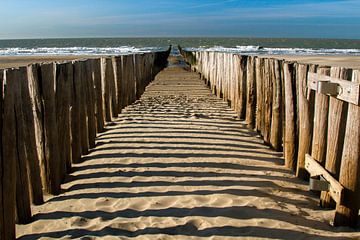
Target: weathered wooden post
(64, 85)
(306, 102)
(8, 158)
(335, 135)
(318, 150)
(290, 120)
(91, 103)
(268, 96)
(75, 113)
(51, 147)
(259, 64)
(242, 87)
(347, 213)
(32, 156)
(251, 92)
(99, 112)
(23, 201)
(107, 75)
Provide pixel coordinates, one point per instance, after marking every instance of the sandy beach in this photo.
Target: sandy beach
(178, 164)
(20, 61)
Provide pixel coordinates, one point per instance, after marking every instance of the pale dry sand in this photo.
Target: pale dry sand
(336, 61)
(20, 61)
(177, 164)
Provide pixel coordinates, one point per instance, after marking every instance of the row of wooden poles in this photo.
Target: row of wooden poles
(272, 96)
(51, 114)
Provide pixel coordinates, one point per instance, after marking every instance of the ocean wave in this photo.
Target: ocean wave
(75, 51)
(258, 50)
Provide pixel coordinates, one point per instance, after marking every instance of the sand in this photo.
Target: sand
(20, 61)
(178, 164)
(336, 61)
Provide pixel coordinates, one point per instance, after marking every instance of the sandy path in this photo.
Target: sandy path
(179, 165)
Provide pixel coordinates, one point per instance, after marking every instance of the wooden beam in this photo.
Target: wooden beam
(336, 190)
(346, 90)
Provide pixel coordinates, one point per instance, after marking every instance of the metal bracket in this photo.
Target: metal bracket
(328, 88)
(318, 183)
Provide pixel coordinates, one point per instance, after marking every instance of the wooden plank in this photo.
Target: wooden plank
(349, 91)
(251, 92)
(347, 213)
(51, 149)
(305, 120)
(335, 135)
(276, 120)
(23, 201)
(320, 123)
(9, 159)
(336, 190)
(290, 111)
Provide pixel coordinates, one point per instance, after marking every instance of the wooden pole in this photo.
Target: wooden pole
(96, 65)
(51, 147)
(290, 109)
(335, 135)
(29, 136)
(105, 84)
(64, 79)
(318, 151)
(306, 99)
(242, 87)
(23, 201)
(8, 160)
(251, 92)
(91, 104)
(268, 96)
(75, 113)
(347, 214)
(259, 93)
(114, 89)
(83, 95)
(276, 120)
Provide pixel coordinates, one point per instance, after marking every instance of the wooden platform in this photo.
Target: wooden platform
(179, 164)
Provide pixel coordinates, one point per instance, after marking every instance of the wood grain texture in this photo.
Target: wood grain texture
(335, 135)
(290, 121)
(51, 146)
(305, 120)
(23, 202)
(259, 93)
(251, 92)
(9, 159)
(347, 214)
(318, 151)
(276, 118)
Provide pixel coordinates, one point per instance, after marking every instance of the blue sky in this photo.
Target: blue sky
(166, 18)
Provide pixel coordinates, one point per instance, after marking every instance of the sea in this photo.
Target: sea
(118, 46)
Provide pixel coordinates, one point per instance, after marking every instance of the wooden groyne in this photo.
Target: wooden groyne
(308, 111)
(50, 116)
